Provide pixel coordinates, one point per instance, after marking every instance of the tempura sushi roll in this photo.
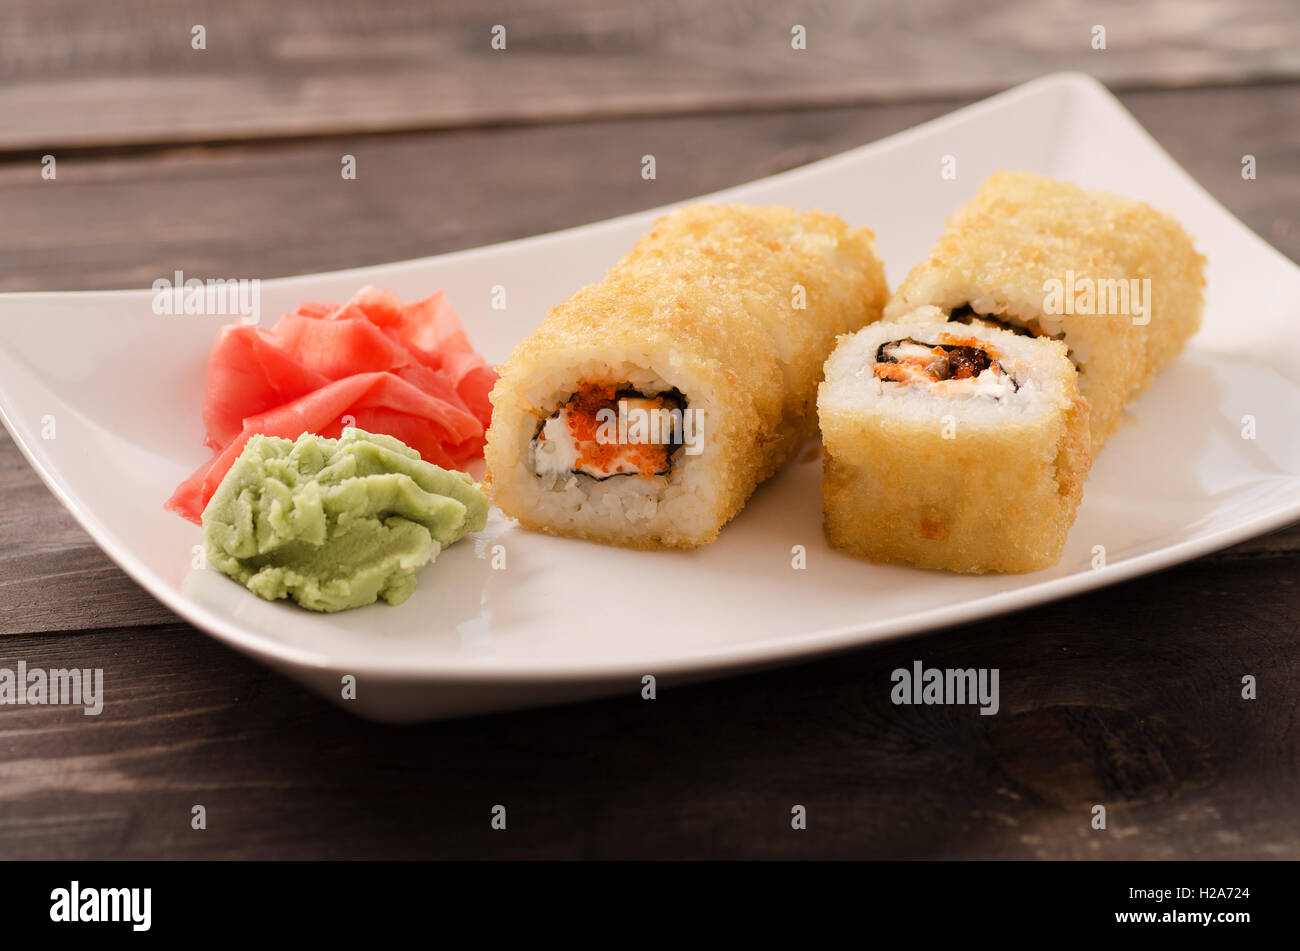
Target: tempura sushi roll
(1117, 280)
(951, 447)
(647, 407)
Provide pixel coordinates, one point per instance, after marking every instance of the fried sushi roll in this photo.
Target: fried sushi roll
(647, 407)
(1117, 280)
(951, 447)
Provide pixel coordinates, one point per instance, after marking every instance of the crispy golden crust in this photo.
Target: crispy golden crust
(982, 505)
(937, 481)
(1021, 231)
(739, 306)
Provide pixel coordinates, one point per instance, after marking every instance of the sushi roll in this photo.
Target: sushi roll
(647, 407)
(962, 448)
(1115, 279)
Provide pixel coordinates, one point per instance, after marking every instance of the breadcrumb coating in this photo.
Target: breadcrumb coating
(737, 307)
(1022, 231)
(914, 475)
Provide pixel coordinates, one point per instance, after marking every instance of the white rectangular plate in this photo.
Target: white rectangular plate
(566, 620)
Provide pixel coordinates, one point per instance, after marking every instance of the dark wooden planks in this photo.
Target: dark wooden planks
(75, 75)
(279, 210)
(52, 576)
(1129, 698)
(273, 211)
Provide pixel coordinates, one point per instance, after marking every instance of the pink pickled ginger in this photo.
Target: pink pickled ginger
(407, 370)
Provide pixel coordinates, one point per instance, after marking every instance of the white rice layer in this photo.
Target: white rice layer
(671, 505)
(1037, 366)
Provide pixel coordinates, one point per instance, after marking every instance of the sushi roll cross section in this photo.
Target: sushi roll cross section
(582, 436)
(648, 407)
(962, 448)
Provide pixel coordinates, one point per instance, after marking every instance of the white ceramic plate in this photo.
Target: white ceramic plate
(565, 619)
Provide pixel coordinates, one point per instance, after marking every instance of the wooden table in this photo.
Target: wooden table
(224, 161)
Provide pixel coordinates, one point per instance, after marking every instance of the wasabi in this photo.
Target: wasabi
(335, 523)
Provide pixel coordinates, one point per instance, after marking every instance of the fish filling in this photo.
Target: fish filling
(961, 364)
(608, 430)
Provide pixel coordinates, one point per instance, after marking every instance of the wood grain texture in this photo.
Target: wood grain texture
(273, 211)
(52, 576)
(1127, 697)
(1111, 699)
(78, 75)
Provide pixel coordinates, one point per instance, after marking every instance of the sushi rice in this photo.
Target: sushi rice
(971, 459)
(732, 308)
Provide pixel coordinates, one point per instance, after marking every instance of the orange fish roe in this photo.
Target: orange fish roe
(611, 456)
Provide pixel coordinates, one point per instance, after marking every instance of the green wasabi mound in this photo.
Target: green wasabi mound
(336, 523)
